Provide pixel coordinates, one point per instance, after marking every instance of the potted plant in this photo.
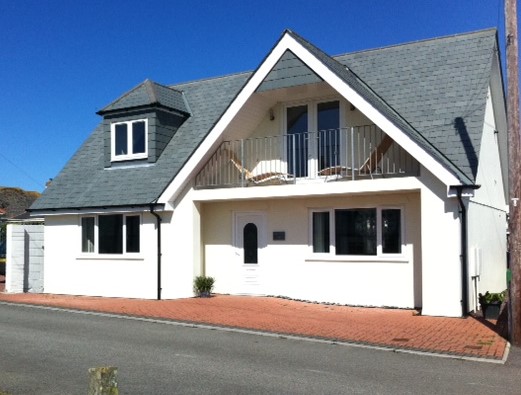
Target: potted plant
(491, 304)
(203, 286)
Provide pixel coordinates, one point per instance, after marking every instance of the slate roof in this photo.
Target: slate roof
(84, 182)
(146, 94)
(434, 90)
(439, 86)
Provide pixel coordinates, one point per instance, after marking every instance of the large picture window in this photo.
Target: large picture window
(129, 140)
(357, 231)
(110, 234)
(110, 230)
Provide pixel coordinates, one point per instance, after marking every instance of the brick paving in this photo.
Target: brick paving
(391, 328)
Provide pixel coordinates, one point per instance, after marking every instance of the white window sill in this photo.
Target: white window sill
(120, 158)
(110, 257)
(357, 258)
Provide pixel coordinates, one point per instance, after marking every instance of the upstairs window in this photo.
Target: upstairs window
(129, 140)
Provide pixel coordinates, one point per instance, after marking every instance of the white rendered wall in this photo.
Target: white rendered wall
(487, 216)
(288, 267)
(68, 271)
(441, 249)
(181, 249)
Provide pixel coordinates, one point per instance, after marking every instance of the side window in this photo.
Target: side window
(87, 234)
(138, 137)
(250, 243)
(391, 231)
(121, 136)
(132, 225)
(321, 231)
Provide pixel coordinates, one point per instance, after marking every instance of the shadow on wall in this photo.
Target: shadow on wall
(470, 151)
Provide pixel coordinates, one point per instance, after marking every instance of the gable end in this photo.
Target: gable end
(289, 71)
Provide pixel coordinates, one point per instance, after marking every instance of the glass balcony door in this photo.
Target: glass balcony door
(313, 142)
(328, 124)
(298, 139)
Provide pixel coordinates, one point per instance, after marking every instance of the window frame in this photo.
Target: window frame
(130, 155)
(124, 231)
(332, 254)
(313, 149)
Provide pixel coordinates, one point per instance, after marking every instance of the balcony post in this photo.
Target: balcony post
(242, 163)
(352, 153)
(294, 155)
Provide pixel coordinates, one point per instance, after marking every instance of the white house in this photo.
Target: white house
(375, 178)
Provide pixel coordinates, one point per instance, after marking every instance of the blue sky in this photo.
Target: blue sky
(61, 61)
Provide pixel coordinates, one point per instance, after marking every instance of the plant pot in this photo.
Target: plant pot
(491, 310)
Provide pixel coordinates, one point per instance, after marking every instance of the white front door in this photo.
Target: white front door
(250, 240)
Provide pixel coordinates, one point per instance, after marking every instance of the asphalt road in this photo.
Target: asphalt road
(44, 351)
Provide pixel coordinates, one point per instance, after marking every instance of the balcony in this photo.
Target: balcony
(345, 154)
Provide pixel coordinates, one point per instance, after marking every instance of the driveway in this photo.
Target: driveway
(470, 337)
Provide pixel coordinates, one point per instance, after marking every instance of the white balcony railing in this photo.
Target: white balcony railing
(332, 155)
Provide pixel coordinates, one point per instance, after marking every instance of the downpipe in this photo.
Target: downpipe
(464, 249)
(158, 226)
(464, 256)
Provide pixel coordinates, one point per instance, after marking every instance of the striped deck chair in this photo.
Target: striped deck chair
(368, 167)
(261, 178)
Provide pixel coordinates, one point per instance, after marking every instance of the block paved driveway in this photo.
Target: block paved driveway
(390, 328)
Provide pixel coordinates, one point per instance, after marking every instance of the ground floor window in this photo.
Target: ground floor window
(111, 234)
(357, 231)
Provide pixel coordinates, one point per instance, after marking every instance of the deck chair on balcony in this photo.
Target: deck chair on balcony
(258, 179)
(368, 167)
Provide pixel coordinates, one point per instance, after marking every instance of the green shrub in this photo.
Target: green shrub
(492, 297)
(203, 286)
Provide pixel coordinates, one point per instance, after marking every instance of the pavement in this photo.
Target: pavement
(396, 329)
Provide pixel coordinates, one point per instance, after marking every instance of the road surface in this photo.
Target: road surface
(48, 351)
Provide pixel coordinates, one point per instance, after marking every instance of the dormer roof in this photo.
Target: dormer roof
(148, 94)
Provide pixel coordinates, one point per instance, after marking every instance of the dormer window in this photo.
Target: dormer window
(140, 124)
(129, 140)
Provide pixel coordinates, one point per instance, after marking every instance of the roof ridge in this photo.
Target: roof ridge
(420, 41)
(127, 93)
(174, 86)
(151, 91)
(157, 84)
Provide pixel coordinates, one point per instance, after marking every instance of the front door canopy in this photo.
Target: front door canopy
(348, 85)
